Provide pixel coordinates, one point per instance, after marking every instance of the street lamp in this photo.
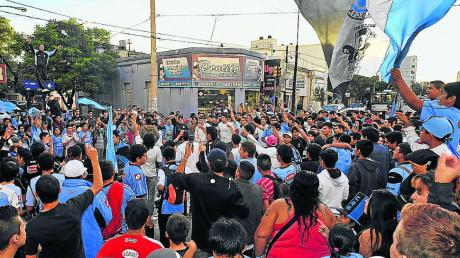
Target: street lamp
(22, 9)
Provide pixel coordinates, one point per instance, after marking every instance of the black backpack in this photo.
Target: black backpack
(280, 187)
(171, 193)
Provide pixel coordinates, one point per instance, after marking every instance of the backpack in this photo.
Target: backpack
(280, 187)
(171, 193)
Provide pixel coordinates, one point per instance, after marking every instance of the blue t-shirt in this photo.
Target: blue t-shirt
(134, 177)
(90, 231)
(4, 201)
(58, 146)
(88, 139)
(344, 161)
(284, 172)
(432, 108)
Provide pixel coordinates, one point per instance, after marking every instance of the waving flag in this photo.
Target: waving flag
(402, 20)
(349, 49)
(110, 148)
(326, 17)
(7, 106)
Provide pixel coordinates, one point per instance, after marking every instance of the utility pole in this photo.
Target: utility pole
(153, 92)
(129, 46)
(295, 64)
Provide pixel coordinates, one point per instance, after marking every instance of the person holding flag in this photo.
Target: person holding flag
(447, 106)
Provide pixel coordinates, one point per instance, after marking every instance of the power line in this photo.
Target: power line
(135, 25)
(206, 43)
(127, 33)
(121, 27)
(224, 14)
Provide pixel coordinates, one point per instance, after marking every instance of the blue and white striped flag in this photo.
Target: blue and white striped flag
(402, 20)
(110, 148)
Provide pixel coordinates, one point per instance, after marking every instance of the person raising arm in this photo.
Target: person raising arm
(407, 94)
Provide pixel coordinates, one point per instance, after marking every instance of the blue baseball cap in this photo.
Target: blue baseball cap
(438, 126)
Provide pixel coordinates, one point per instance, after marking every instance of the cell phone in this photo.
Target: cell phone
(191, 138)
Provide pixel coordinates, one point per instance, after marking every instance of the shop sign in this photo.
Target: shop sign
(173, 68)
(216, 68)
(252, 70)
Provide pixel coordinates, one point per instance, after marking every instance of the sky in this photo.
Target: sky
(437, 48)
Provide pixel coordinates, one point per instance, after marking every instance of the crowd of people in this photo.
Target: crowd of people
(259, 182)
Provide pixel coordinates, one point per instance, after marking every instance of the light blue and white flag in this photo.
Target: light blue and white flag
(7, 107)
(402, 20)
(110, 148)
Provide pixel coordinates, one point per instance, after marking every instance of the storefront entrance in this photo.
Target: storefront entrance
(209, 100)
(252, 99)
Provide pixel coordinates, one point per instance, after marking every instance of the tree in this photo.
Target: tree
(319, 94)
(11, 45)
(361, 87)
(85, 63)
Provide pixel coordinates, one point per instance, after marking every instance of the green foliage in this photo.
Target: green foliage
(86, 61)
(11, 45)
(319, 94)
(361, 87)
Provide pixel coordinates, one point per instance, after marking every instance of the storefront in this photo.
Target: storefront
(216, 78)
(191, 79)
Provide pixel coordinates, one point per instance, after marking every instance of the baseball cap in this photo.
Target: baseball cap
(438, 126)
(287, 133)
(74, 168)
(217, 159)
(422, 157)
(163, 253)
(15, 139)
(271, 140)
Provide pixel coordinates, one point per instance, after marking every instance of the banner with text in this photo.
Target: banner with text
(271, 74)
(211, 68)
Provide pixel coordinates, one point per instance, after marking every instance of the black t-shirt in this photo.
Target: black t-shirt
(58, 231)
(213, 197)
(300, 144)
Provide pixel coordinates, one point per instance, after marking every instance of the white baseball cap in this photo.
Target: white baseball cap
(74, 168)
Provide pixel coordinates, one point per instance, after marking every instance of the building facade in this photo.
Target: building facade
(191, 79)
(311, 71)
(409, 70)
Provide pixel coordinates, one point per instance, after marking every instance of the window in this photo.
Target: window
(127, 94)
(147, 93)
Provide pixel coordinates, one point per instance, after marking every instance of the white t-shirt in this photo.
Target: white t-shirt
(153, 156)
(162, 176)
(200, 135)
(9, 194)
(194, 157)
(18, 192)
(225, 132)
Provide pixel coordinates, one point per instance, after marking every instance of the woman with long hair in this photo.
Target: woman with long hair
(382, 209)
(296, 226)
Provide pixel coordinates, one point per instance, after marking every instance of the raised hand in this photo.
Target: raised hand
(91, 152)
(448, 169)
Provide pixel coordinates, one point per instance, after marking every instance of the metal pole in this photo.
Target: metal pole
(295, 64)
(153, 92)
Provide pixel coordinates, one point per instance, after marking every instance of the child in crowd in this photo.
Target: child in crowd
(341, 241)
